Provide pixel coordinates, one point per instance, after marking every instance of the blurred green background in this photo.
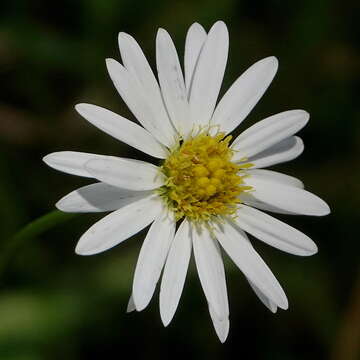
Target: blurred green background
(55, 304)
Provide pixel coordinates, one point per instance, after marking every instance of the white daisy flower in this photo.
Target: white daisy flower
(209, 184)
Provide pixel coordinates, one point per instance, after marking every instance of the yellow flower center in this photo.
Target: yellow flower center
(202, 182)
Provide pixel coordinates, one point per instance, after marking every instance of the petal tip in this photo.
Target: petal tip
(59, 205)
(220, 23)
(85, 248)
(269, 60)
(196, 25)
(46, 159)
(307, 252)
(139, 303)
(273, 59)
(327, 209)
(273, 63)
(305, 116)
(312, 250)
(308, 249)
(222, 330)
(162, 33)
(220, 27)
(110, 62)
(284, 304)
(165, 319)
(300, 143)
(80, 108)
(123, 36)
(323, 208)
(50, 159)
(63, 205)
(167, 312)
(80, 249)
(223, 338)
(130, 306)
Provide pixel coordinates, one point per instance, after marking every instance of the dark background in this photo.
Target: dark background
(55, 304)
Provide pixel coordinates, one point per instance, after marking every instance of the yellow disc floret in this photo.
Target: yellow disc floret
(202, 182)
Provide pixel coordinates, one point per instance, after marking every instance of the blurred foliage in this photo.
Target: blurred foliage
(56, 305)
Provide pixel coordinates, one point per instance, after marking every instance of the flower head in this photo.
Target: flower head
(212, 186)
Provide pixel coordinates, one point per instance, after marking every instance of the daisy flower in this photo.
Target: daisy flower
(207, 190)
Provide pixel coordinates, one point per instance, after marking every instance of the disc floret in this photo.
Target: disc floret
(202, 181)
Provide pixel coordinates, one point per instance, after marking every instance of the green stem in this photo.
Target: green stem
(30, 231)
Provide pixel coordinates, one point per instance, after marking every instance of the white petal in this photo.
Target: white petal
(277, 177)
(140, 103)
(285, 150)
(238, 247)
(98, 197)
(210, 268)
(268, 132)
(288, 198)
(274, 232)
(135, 62)
(175, 270)
(122, 129)
(221, 326)
(195, 39)
(248, 199)
(119, 226)
(172, 82)
(209, 74)
(264, 299)
(152, 258)
(126, 173)
(131, 305)
(71, 162)
(243, 95)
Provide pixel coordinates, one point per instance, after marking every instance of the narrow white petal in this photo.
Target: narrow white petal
(119, 226)
(122, 129)
(131, 305)
(98, 197)
(210, 268)
(152, 258)
(126, 173)
(274, 232)
(209, 74)
(286, 150)
(277, 177)
(268, 132)
(172, 82)
(248, 199)
(195, 39)
(221, 326)
(243, 95)
(263, 298)
(141, 105)
(71, 162)
(288, 198)
(175, 270)
(135, 62)
(238, 247)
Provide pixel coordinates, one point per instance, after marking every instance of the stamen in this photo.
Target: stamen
(202, 182)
